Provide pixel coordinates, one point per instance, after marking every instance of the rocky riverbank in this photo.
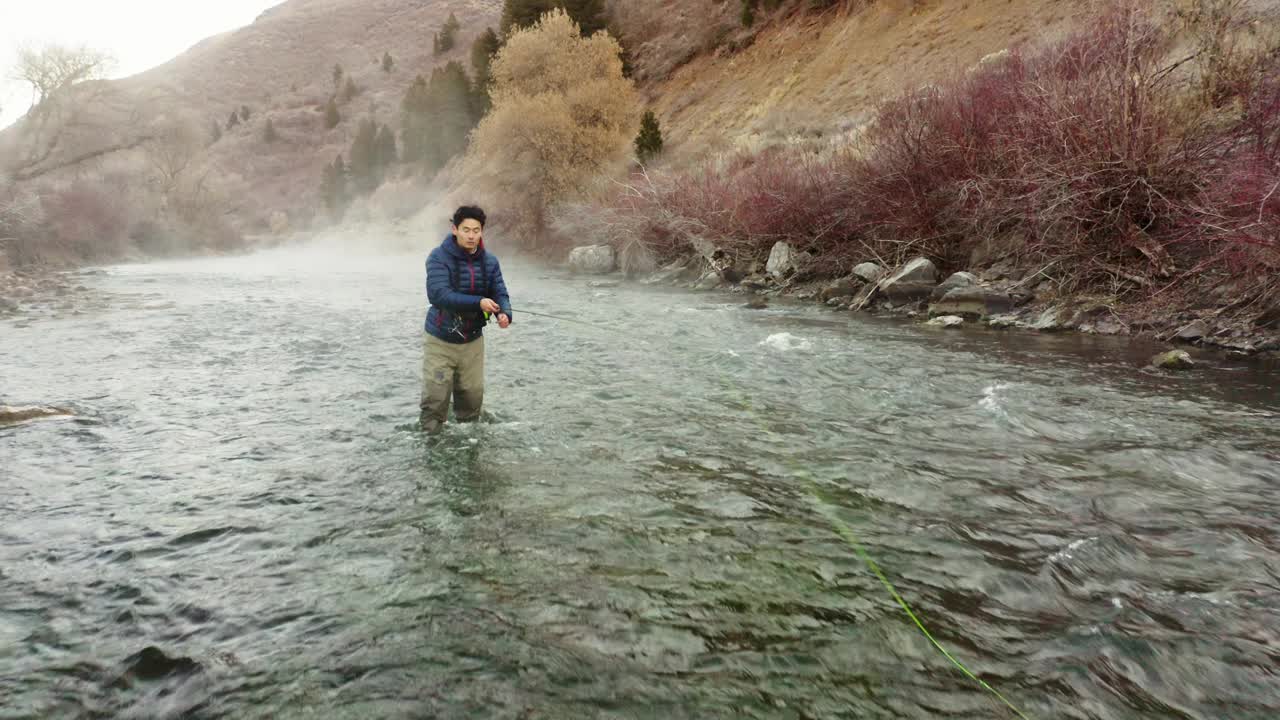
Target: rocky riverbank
(1000, 296)
(40, 293)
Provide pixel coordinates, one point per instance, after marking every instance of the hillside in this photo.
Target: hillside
(816, 75)
(279, 67)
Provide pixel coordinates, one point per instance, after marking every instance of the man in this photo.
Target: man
(464, 286)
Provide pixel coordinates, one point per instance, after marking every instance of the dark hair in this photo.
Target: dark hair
(468, 212)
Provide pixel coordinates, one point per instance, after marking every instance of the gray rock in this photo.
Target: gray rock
(840, 301)
(1173, 360)
(783, 260)
(868, 272)
(955, 282)
(946, 321)
(709, 281)
(919, 270)
(757, 303)
(603, 284)
(911, 283)
(10, 415)
(593, 259)
(844, 287)
(1005, 320)
(972, 301)
(1193, 331)
(1048, 321)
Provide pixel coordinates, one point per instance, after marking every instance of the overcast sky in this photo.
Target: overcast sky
(139, 34)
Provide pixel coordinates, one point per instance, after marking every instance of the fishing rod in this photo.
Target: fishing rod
(846, 533)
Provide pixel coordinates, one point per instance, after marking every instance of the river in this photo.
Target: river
(243, 522)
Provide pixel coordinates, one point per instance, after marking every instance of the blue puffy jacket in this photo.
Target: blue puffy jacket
(456, 283)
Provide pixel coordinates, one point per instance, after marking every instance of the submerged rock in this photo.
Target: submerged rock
(946, 321)
(11, 415)
(1173, 360)
(152, 663)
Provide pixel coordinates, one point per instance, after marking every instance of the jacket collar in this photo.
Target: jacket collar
(452, 247)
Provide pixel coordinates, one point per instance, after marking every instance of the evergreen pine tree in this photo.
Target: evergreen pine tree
(364, 170)
(649, 141)
(482, 51)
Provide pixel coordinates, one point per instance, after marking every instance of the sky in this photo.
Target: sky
(138, 34)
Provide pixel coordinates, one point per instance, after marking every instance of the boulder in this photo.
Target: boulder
(912, 282)
(593, 259)
(972, 301)
(844, 287)
(782, 260)
(955, 282)
(1192, 331)
(868, 272)
(1173, 360)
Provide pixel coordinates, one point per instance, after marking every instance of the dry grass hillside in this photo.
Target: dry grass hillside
(720, 87)
(279, 67)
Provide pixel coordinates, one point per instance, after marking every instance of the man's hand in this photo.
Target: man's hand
(489, 306)
(503, 321)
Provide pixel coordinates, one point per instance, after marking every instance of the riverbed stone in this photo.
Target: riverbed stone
(946, 321)
(956, 281)
(842, 287)
(782, 260)
(12, 415)
(593, 259)
(912, 282)
(1192, 331)
(972, 301)
(869, 272)
(1173, 360)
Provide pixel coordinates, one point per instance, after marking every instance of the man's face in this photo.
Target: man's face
(468, 234)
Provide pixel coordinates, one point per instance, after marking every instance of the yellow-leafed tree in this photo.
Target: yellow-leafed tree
(563, 116)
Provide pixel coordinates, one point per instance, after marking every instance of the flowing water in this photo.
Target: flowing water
(243, 522)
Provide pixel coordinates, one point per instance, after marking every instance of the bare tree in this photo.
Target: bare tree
(171, 149)
(53, 68)
(52, 72)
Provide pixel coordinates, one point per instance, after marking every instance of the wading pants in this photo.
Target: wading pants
(449, 369)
